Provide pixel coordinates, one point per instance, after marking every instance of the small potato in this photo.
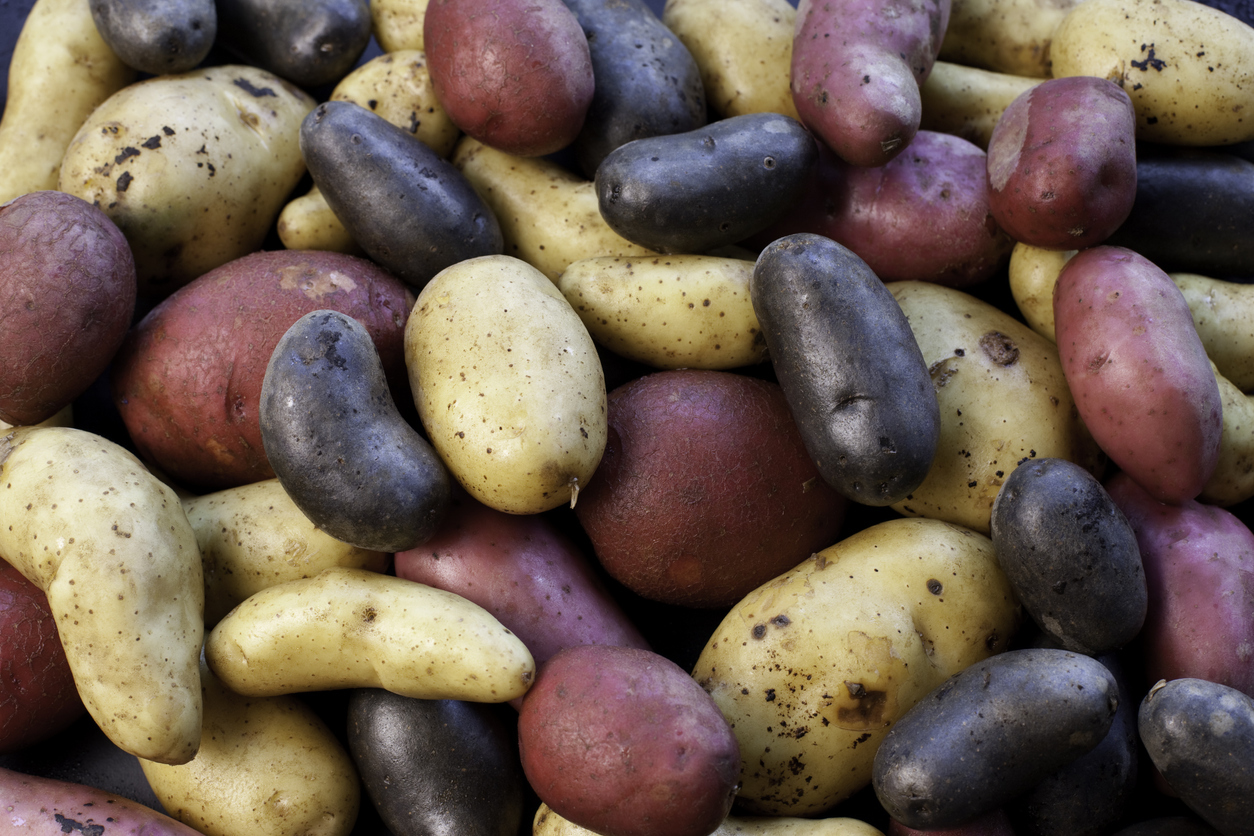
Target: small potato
(1232, 481)
(1033, 274)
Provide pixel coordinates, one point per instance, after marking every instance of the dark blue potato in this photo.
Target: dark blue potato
(695, 191)
(308, 42)
(850, 367)
(990, 733)
(1200, 735)
(409, 208)
(437, 767)
(160, 37)
(1071, 556)
(647, 83)
(337, 443)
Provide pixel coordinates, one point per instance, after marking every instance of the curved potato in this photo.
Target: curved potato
(308, 223)
(1033, 274)
(967, 101)
(1005, 36)
(34, 806)
(1233, 478)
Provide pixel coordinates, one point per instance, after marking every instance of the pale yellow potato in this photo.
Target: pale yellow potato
(1223, 314)
(549, 216)
(743, 50)
(1185, 66)
(1003, 400)
(1033, 274)
(1006, 36)
(61, 70)
(193, 168)
(813, 668)
(253, 536)
(267, 766)
(669, 312)
(507, 383)
(352, 628)
(110, 546)
(308, 223)
(1233, 478)
(398, 23)
(968, 102)
(548, 823)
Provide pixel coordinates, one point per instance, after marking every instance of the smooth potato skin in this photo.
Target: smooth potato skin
(1138, 370)
(36, 806)
(57, 342)
(158, 36)
(622, 741)
(515, 75)
(308, 43)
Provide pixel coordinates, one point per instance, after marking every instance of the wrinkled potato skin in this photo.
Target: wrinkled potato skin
(60, 71)
(126, 556)
(813, 668)
(967, 101)
(1006, 36)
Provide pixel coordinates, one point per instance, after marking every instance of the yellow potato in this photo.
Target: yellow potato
(1185, 65)
(398, 24)
(308, 223)
(508, 384)
(968, 102)
(548, 823)
(1033, 274)
(352, 628)
(1223, 314)
(669, 312)
(112, 549)
(266, 767)
(60, 71)
(813, 668)
(1233, 478)
(1006, 36)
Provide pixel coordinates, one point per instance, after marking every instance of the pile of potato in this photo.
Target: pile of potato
(644, 419)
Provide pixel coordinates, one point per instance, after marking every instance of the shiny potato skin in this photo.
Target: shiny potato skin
(157, 36)
(1200, 736)
(407, 207)
(647, 83)
(706, 188)
(850, 367)
(437, 767)
(338, 444)
(308, 42)
(990, 733)
(1071, 555)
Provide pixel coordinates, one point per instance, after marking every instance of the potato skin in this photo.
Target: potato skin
(622, 741)
(309, 43)
(158, 37)
(515, 75)
(58, 343)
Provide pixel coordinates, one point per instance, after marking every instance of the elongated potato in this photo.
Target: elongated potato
(111, 547)
(1006, 36)
(967, 101)
(35, 806)
(351, 628)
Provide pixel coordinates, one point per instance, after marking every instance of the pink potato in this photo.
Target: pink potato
(514, 74)
(34, 806)
(1199, 573)
(1136, 366)
(857, 66)
(187, 380)
(67, 296)
(624, 742)
(1062, 163)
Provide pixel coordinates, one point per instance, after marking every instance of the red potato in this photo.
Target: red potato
(857, 66)
(1136, 366)
(514, 74)
(624, 742)
(1199, 573)
(37, 693)
(1062, 163)
(187, 380)
(67, 296)
(34, 806)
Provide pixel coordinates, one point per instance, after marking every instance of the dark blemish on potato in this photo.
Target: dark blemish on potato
(126, 153)
(1098, 363)
(151, 143)
(759, 631)
(69, 826)
(795, 766)
(124, 182)
(992, 640)
(999, 348)
(252, 90)
(866, 713)
(856, 690)
(212, 170)
(781, 620)
(770, 695)
(369, 614)
(973, 484)
(934, 586)
(1150, 61)
(862, 738)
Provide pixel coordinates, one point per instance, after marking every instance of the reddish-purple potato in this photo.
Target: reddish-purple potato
(34, 806)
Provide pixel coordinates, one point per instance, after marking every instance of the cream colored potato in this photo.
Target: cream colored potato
(508, 384)
(1006, 36)
(1233, 478)
(669, 312)
(1033, 274)
(253, 537)
(813, 668)
(352, 628)
(398, 23)
(60, 71)
(549, 216)
(548, 823)
(1185, 65)
(968, 102)
(266, 767)
(1223, 314)
(743, 50)
(308, 223)
(1003, 400)
(112, 549)
(193, 168)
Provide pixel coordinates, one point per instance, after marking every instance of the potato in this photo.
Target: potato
(37, 806)
(1222, 313)
(193, 168)
(156, 36)
(1232, 480)
(813, 668)
(1006, 36)
(60, 71)
(308, 223)
(549, 823)
(1138, 371)
(1033, 274)
(67, 289)
(1182, 63)
(967, 101)
(507, 384)
(351, 628)
(622, 741)
(308, 42)
(267, 766)
(398, 24)
(112, 549)
(514, 75)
